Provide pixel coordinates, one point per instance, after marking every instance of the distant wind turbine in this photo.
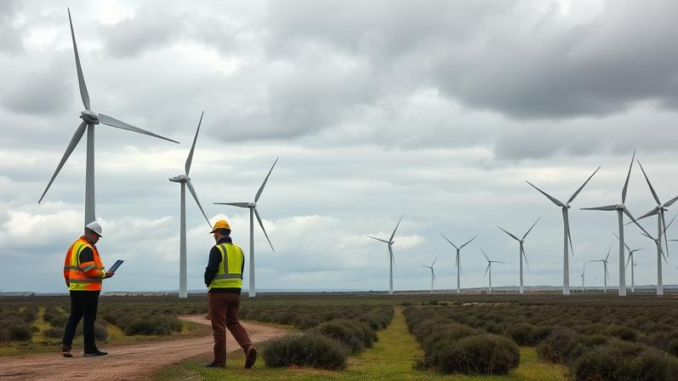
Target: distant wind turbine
(391, 258)
(252, 206)
(458, 259)
(583, 276)
(184, 180)
(630, 260)
(660, 255)
(621, 210)
(89, 120)
(566, 226)
(433, 274)
(521, 254)
(489, 268)
(606, 274)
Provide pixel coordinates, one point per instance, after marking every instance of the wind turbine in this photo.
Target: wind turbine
(583, 275)
(660, 255)
(184, 180)
(630, 260)
(89, 120)
(433, 274)
(621, 210)
(521, 255)
(252, 206)
(458, 259)
(566, 227)
(391, 260)
(605, 263)
(489, 267)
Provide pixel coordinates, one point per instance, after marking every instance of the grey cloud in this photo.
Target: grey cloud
(10, 37)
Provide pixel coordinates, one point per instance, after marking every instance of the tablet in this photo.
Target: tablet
(115, 265)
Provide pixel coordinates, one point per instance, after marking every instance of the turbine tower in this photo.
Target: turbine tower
(566, 227)
(606, 274)
(391, 259)
(583, 275)
(631, 261)
(521, 254)
(433, 274)
(660, 255)
(252, 206)
(458, 259)
(89, 120)
(184, 180)
(489, 268)
(621, 210)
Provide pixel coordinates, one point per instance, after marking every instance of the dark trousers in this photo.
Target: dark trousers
(84, 304)
(224, 311)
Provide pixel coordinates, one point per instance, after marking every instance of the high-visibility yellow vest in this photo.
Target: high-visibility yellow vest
(77, 273)
(230, 268)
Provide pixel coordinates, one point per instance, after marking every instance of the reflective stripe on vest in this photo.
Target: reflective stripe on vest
(230, 268)
(78, 280)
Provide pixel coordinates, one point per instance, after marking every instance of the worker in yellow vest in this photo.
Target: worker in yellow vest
(84, 273)
(223, 277)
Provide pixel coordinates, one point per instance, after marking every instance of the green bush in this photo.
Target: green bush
(306, 350)
(20, 332)
(58, 321)
(562, 347)
(54, 333)
(481, 354)
(623, 362)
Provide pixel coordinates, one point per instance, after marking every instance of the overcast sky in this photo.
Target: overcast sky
(438, 110)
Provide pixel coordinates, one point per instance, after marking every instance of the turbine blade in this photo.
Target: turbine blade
(528, 232)
(522, 250)
(514, 237)
(607, 207)
(629, 260)
(553, 199)
(261, 188)
(648, 214)
(467, 242)
(626, 211)
(488, 259)
(256, 213)
(487, 268)
(567, 231)
(654, 194)
(670, 202)
(110, 121)
(189, 160)
(628, 176)
(446, 239)
(396, 228)
(627, 246)
(390, 250)
(378, 239)
(670, 223)
(663, 222)
(195, 197)
(434, 261)
(81, 79)
(71, 146)
(582, 187)
(238, 204)
(608, 253)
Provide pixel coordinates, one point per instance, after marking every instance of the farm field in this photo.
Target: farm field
(407, 336)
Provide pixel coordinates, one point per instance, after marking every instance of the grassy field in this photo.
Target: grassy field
(391, 358)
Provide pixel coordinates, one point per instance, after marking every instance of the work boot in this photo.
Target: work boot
(66, 352)
(214, 365)
(96, 353)
(250, 358)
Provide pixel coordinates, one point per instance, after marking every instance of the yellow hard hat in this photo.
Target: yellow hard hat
(221, 224)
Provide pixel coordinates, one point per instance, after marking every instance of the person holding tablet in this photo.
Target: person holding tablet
(84, 274)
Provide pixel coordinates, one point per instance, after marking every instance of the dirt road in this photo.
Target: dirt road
(125, 362)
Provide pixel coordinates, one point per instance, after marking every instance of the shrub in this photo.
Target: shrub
(562, 347)
(54, 333)
(481, 354)
(521, 334)
(623, 362)
(308, 350)
(58, 321)
(624, 333)
(20, 332)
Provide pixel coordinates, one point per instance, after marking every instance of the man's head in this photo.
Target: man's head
(93, 231)
(221, 229)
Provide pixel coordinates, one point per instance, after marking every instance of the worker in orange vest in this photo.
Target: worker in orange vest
(84, 273)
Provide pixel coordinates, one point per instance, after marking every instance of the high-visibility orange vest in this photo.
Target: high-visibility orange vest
(86, 276)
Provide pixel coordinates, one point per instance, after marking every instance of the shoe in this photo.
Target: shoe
(67, 353)
(214, 365)
(98, 353)
(250, 358)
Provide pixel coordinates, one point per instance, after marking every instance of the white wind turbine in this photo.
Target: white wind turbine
(660, 255)
(252, 206)
(89, 120)
(583, 276)
(631, 261)
(489, 268)
(521, 254)
(621, 210)
(566, 226)
(458, 259)
(433, 274)
(606, 274)
(391, 259)
(184, 180)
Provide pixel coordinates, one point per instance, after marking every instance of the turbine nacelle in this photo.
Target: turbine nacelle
(621, 207)
(89, 116)
(180, 179)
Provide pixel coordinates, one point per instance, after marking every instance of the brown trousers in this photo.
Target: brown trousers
(224, 311)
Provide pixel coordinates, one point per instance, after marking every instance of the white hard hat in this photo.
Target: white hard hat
(95, 227)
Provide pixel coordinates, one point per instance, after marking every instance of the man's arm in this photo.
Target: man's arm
(88, 266)
(212, 266)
